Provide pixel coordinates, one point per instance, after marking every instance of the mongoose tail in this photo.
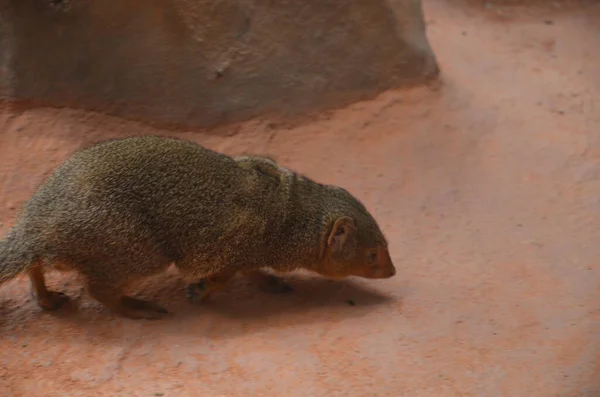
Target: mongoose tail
(14, 260)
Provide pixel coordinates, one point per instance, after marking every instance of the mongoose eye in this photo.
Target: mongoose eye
(372, 258)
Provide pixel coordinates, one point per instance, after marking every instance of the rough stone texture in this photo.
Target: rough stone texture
(201, 62)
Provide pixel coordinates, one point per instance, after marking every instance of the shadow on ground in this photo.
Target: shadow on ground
(313, 299)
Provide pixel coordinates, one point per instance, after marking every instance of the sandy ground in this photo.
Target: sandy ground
(487, 188)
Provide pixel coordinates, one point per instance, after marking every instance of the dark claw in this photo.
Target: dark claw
(55, 300)
(283, 288)
(288, 288)
(161, 310)
(193, 291)
(276, 285)
(139, 308)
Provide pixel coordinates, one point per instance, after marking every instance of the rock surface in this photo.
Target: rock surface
(198, 63)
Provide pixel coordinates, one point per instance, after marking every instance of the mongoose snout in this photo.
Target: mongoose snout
(383, 268)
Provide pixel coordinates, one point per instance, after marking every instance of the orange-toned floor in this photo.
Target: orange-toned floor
(488, 190)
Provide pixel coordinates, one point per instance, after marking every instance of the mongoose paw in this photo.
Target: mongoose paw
(138, 308)
(197, 292)
(284, 288)
(276, 285)
(53, 300)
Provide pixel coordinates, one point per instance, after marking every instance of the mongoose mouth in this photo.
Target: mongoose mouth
(384, 273)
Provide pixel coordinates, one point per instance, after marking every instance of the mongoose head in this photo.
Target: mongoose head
(353, 243)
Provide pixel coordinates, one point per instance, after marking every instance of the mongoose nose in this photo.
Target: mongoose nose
(389, 270)
(384, 272)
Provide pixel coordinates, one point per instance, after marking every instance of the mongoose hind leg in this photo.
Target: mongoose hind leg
(268, 282)
(127, 306)
(202, 290)
(46, 299)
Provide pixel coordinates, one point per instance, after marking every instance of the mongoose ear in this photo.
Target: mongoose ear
(342, 229)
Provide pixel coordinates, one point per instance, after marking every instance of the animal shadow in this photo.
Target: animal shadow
(241, 308)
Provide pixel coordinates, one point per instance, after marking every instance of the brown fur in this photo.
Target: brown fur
(125, 209)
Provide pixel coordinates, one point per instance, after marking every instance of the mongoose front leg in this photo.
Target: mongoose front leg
(268, 282)
(203, 290)
(47, 300)
(123, 305)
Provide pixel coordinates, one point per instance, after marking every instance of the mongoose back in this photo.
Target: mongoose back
(125, 209)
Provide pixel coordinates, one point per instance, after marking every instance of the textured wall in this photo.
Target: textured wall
(201, 62)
